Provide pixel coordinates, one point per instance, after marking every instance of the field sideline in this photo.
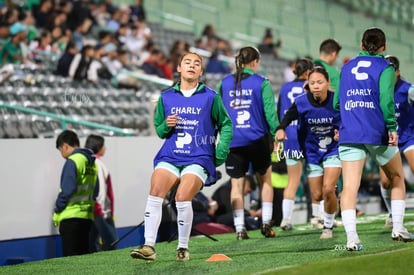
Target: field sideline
(295, 252)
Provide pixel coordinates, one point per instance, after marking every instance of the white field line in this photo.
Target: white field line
(362, 219)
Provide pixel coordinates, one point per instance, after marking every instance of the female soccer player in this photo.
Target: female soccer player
(404, 112)
(365, 98)
(188, 116)
(291, 148)
(318, 124)
(249, 100)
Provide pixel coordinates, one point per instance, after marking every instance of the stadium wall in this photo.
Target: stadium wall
(30, 170)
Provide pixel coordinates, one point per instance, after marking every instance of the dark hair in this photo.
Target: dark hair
(372, 40)
(70, 45)
(329, 46)
(245, 56)
(69, 137)
(302, 65)
(321, 70)
(249, 178)
(394, 61)
(95, 143)
(316, 69)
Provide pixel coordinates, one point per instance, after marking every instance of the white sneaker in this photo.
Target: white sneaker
(285, 225)
(402, 235)
(316, 223)
(354, 246)
(327, 233)
(388, 222)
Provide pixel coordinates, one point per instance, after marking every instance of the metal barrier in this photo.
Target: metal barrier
(64, 120)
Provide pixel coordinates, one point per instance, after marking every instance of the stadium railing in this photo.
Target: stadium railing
(64, 120)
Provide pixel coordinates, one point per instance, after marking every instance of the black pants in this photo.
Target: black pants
(277, 206)
(75, 236)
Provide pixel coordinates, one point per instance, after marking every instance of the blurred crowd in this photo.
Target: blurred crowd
(96, 39)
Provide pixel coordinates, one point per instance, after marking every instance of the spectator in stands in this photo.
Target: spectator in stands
(184, 162)
(115, 21)
(208, 38)
(42, 47)
(123, 78)
(101, 14)
(216, 66)
(104, 37)
(4, 32)
(138, 10)
(267, 46)
(145, 53)
(43, 13)
(104, 225)
(288, 74)
(223, 47)
(79, 14)
(11, 52)
(135, 42)
(110, 59)
(74, 207)
(65, 60)
(166, 66)
(328, 54)
(28, 20)
(60, 38)
(144, 31)
(78, 35)
(57, 19)
(152, 64)
(11, 15)
(79, 67)
(121, 34)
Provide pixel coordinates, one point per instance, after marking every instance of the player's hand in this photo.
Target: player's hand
(393, 138)
(336, 135)
(281, 135)
(172, 120)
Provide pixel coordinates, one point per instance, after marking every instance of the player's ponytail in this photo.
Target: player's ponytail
(245, 56)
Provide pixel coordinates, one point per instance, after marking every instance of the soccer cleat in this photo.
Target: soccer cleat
(267, 231)
(144, 252)
(354, 246)
(286, 225)
(242, 235)
(316, 223)
(183, 255)
(388, 222)
(402, 235)
(327, 233)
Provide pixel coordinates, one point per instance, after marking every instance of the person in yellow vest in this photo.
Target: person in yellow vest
(74, 208)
